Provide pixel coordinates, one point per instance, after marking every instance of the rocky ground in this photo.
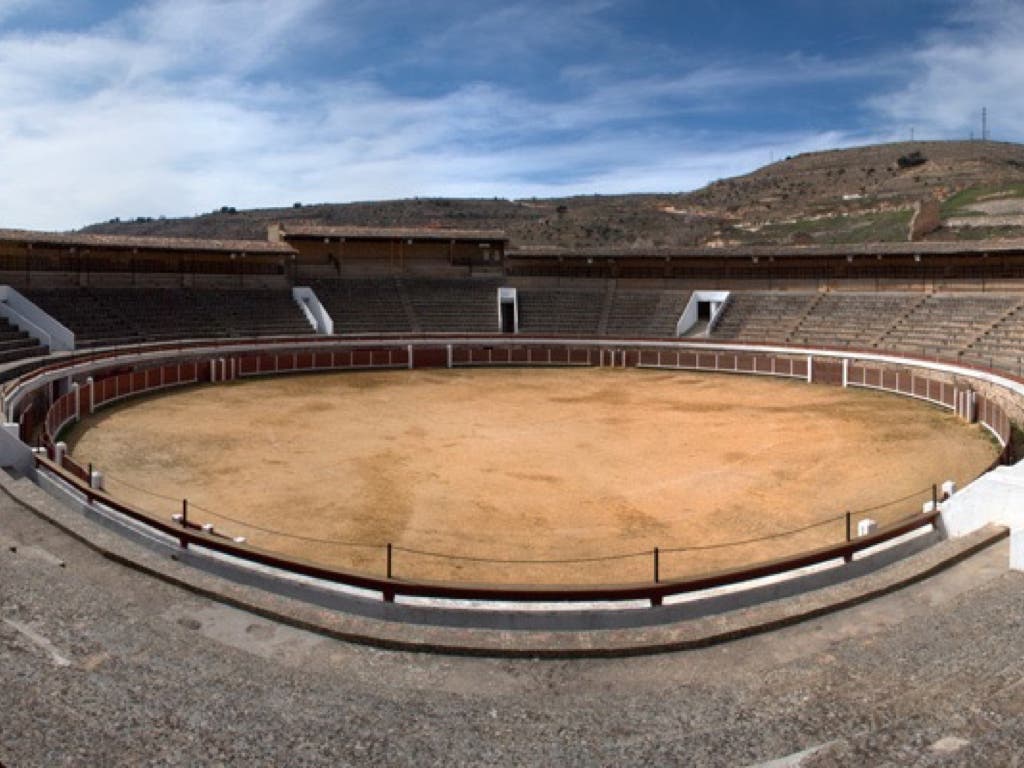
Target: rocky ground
(100, 665)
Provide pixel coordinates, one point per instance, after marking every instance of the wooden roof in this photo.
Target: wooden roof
(963, 248)
(394, 233)
(122, 242)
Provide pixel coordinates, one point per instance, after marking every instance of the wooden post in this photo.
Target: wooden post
(184, 523)
(389, 560)
(935, 498)
(849, 534)
(657, 564)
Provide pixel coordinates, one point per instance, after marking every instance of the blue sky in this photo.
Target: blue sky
(175, 107)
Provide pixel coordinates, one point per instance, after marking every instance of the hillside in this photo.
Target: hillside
(850, 195)
(863, 194)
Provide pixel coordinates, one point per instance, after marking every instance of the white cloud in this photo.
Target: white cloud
(228, 37)
(172, 108)
(9, 8)
(978, 63)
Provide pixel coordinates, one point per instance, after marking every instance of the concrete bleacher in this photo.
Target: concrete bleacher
(764, 315)
(364, 305)
(452, 305)
(109, 316)
(852, 319)
(16, 344)
(947, 324)
(611, 311)
(982, 328)
(546, 311)
(644, 313)
(1002, 344)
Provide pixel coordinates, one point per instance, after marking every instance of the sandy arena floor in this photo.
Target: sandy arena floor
(530, 464)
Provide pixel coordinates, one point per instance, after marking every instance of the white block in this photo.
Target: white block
(927, 507)
(1017, 549)
(59, 451)
(866, 527)
(948, 488)
(96, 481)
(208, 527)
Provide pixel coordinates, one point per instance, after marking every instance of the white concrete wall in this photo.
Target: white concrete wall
(25, 315)
(996, 497)
(14, 454)
(315, 312)
(689, 316)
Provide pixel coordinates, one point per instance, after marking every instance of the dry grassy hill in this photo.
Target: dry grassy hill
(849, 195)
(866, 193)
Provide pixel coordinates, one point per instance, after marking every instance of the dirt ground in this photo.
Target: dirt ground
(530, 465)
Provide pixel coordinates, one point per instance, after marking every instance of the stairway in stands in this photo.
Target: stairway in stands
(16, 344)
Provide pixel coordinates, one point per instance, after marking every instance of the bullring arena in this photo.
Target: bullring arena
(531, 466)
(437, 502)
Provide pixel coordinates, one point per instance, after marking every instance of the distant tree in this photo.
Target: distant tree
(911, 160)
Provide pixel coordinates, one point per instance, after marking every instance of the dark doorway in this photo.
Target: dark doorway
(508, 317)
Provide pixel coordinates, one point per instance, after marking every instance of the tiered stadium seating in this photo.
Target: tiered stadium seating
(453, 305)
(560, 311)
(984, 328)
(1001, 345)
(946, 324)
(764, 316)
(107, 316)
(981, 328)
(644, 313)
(15, 344)
(364, 305)
(82, 311)
(852, 320)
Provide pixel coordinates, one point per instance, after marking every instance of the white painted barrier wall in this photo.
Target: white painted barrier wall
(996, 497)
(315, 312)
(30, 318)
(689, 317)
(14, 454)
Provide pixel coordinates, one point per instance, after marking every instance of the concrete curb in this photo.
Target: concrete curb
(683, 635)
